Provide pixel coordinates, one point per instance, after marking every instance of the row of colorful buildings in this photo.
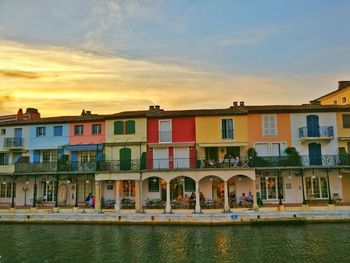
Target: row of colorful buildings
(155, 158)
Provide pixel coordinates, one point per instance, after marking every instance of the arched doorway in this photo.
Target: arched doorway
(212, 192)
(240, 191)
(182, 192)
(153, 193)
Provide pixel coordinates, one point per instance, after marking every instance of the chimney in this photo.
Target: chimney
(235, 104)
(20, 115)
(151, 107)
(343, 84)
(32, 113)
(88, 112)
(315, 102)
(83, 113)
(157, 107)
(241, 103)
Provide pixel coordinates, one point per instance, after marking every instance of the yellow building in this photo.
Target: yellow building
(341, 96)
(222, 137)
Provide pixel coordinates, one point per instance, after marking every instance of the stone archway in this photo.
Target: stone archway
(182, 192)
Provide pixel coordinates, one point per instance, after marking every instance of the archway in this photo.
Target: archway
(241, 190)
(153, 193)
(212, 192)
(182, 192)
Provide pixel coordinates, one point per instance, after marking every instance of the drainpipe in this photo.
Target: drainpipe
(302, 185)
(76, 190)
(329, 188)
(13, 192)
(56, 190)
(35, 192)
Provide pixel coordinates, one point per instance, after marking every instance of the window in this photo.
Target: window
(335, 102)
(262, 149)
(153, 184)
(109, 187)
(57, 130)
(346, 121)
(165, 131)
(343, 100)
(5, 190)
(130, 127)
(316, 187)
(118, 127)
(278, 149)
(128, 188)
(271, 187)
(227, 128)
(190, 185)
(48, 190)
(78, 129)
(270, 149)
(4, 158)
(88, 157)
(96, 129)
(49, 156)
(269, 125)
(40, 131)
(2, 131)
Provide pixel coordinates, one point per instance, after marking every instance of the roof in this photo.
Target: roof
(160, 113)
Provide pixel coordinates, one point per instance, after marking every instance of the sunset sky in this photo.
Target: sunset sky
(109, 56)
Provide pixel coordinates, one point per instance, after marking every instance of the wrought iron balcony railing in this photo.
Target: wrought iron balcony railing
(323, 131)
(35, 167)
(121, 165)
(14, 142)
(71, 166)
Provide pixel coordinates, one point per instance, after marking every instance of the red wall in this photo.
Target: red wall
(183, 130)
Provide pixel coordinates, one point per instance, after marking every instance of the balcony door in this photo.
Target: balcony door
(313, 126)
(125, 159)
(18, 137)
(315, 154)
(182, 157)
(160, 158)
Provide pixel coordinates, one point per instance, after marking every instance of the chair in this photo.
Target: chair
(336, 198)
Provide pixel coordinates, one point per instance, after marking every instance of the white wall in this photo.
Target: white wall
(298, 120)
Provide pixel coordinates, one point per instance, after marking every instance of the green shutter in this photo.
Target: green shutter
(130, 127)
(118, 127)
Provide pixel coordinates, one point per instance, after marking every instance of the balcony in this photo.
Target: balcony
(7, 168)
(118, 166)
(300, 161)
(14, 142)
(320, 133)
(35, 167)
(77, 167)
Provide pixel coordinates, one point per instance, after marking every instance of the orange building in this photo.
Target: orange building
(269, 133)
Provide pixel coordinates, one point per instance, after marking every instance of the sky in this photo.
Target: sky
(109, 56)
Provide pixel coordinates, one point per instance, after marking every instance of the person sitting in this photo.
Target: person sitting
(242, 200)
(232, 198)
(249, 199)
(186, 201)
(211, 162)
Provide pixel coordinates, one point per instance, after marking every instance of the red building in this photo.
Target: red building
(171, 140)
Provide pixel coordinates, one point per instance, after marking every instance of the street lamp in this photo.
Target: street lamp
(25, 189)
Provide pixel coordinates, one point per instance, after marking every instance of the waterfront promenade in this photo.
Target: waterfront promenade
(89, 216)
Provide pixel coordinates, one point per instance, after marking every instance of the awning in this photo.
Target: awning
(344, 138)
(224, 144)
(83, 147)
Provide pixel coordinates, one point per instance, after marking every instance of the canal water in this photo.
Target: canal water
(112, 243)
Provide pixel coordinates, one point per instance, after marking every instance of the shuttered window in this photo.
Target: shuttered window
(269, 125)
(130, 127)
(346, 120)
(118, 127)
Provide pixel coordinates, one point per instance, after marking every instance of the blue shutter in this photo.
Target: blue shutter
(74, 160)
(36, 156)
(7, 158)
(57, 131)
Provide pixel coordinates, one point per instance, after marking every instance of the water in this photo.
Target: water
(104, 243)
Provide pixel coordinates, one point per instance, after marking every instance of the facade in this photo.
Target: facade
(234, 158)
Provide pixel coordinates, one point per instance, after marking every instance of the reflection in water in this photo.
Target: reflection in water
(103, 243)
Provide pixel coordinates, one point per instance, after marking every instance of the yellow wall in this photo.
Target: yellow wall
(140, 132)
(112, 152)
(208, 129)
(341, 131)
(328, 100)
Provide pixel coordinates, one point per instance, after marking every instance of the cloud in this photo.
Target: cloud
(61, 81)
(249, 37)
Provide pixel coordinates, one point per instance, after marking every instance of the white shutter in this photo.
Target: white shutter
(160, 158)
(182, 158)
(262, 149)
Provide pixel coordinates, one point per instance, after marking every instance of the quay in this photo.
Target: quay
(89, 216)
